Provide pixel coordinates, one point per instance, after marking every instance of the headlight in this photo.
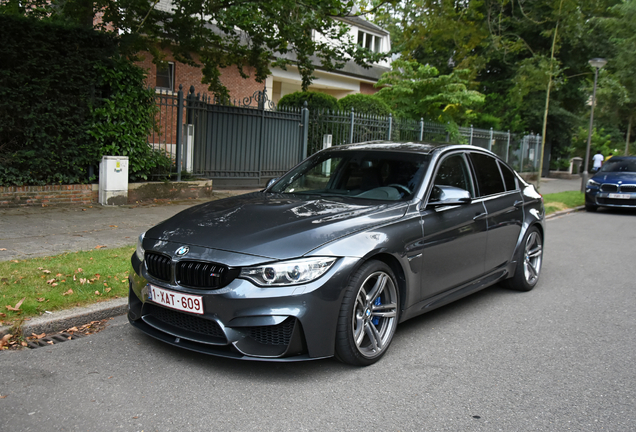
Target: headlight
(140, 248)
(592, 183)
(293, 272)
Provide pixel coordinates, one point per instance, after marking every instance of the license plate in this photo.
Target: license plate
(176, 300)
(619, 196)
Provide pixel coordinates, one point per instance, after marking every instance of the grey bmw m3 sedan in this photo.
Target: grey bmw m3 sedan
(330, 257)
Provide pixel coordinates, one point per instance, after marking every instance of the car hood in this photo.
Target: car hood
(615, 177)
(272, 225)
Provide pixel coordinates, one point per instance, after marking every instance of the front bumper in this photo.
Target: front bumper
(245, 321)
(595, 197)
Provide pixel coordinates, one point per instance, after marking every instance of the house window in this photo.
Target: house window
(165, 77)
(369, 41)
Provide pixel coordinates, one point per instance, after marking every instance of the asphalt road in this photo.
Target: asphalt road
(558, 358)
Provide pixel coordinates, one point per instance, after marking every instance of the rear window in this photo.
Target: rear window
(488, 175)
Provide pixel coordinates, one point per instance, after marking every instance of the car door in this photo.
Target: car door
(454, 237)
(497, 187)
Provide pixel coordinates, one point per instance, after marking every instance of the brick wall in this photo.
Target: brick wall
(20, 196)
(191, 76)
(366, 88)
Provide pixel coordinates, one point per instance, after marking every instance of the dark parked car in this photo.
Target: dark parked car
(329, 258)
(614, 185)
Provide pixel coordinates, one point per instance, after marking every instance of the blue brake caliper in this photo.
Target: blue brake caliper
(376, 320)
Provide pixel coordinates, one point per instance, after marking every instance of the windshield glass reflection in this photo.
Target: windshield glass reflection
(375, 175)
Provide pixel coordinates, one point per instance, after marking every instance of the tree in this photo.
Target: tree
(414, 91)
(215, 34)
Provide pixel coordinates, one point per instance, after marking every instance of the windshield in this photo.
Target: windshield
(619, 165)
(375, 175)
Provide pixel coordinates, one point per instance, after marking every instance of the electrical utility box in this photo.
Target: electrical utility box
(113, 180)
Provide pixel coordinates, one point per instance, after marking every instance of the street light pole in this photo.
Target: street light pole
(596, 63)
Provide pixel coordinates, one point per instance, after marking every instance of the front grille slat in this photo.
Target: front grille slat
(607, 187)
(184, 321)
(158, 266)
(198, 274)
(280, 334)
(628, 188)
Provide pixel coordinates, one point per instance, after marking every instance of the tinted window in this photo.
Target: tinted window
(454, 172)
(509, 177)
(488, 176)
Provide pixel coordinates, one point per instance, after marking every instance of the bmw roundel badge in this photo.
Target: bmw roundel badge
(182, 251)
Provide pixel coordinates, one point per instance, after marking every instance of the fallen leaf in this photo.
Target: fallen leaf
(46, 271)
(2, 249)
(72, 329)
(50, 342)
(3, 315)
(97, 276)
(16, 261)
(83, 281)
(38, 336)
(23, 343)
(54, 284)
(50, 281)
(5, 340)
(69, 292)
(105, 284)
(107, 289)
(100, 247)
(79, 270)
(97, 293)
(58, 275)
(41, 299)
(112, 226)
(17, 306)
(40, 268)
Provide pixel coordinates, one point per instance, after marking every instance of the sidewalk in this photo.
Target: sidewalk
(45, 231)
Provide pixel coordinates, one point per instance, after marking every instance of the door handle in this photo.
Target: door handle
(518, 204)
(480, 216)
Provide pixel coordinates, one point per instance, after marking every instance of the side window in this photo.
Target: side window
(454, 172)
(488, 175)
(509, 177)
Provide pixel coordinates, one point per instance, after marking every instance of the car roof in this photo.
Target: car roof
(408, 147)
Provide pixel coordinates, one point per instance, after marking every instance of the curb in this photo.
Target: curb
(564, 212)
(65, 319)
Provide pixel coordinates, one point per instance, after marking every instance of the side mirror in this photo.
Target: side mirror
(271, 182)
(448, 195)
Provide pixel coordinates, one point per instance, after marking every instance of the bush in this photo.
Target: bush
(315, 101)
(365, 104)
(46, 94)
(124, 118)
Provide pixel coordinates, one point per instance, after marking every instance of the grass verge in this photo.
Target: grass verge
(29, 288)
(563, 200)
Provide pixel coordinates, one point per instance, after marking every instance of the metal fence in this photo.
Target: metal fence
(250, 140)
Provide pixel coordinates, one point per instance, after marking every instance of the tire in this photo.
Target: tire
(529, 259)
(368, 315)
(590, 208)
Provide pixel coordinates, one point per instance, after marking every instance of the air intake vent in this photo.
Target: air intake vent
(158, 266)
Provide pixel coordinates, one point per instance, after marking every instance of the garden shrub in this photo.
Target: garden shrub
(365, 104)
(315, 101)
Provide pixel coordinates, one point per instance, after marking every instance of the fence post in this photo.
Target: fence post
(490, 141)
(305, 131)
(180, 106)
(388, 138)
(508, 148)
(351, 119)
(471, 134)
(421, 128)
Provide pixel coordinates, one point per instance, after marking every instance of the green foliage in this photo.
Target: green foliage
(418, 91)
(46, 94)
(563, 200)
(215, 34)
(124, 118)
(315, 101)
(365, 104)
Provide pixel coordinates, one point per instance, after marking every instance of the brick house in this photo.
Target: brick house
(351, 79)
